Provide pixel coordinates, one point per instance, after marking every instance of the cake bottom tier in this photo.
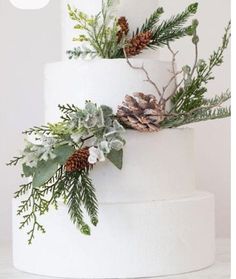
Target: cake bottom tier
(131, 240)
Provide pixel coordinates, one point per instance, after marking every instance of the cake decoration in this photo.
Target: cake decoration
(107, 36)
(59, 157)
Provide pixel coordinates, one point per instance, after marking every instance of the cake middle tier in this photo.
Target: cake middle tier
(104, 81)
(156, 166)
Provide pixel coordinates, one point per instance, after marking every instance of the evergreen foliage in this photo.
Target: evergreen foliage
(192, 94)
(45, 159)
(100, 32)
(171, 29)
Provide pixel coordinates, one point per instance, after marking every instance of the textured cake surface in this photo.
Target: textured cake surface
(105, 81)
(131, 240)
(152, 221)
(156, 166)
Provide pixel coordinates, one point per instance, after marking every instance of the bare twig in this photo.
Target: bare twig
(195, 60)
(141, 68)
(175, 74)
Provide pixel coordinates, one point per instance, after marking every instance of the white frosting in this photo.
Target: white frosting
(135, 11)
(131, 240)
(156, 166)
(151, 221)
(105, 81)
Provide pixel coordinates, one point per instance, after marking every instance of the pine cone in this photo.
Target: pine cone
(124, 28)
(78, 161)
(138, 43)
(141, 112)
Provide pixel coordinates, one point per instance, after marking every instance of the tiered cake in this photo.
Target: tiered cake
(152, 221)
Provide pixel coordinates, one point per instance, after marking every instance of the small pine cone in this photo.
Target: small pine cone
(141, 112)
(124, 28)
(138, 43)
(78, 161)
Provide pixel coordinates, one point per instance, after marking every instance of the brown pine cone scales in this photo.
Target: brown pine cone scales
(141, 112)
(124, 28)
(78, 161)
(138, 43)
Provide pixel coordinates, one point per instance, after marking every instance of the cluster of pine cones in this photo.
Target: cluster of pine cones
(137, 43)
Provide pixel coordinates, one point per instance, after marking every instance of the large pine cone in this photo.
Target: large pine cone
(138, 43)
(78, 161)
(141, 112)
(124, 28)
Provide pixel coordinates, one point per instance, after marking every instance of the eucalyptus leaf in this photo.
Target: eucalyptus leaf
(28, 171)
(62, 153)
(44, 171)
(116, 157)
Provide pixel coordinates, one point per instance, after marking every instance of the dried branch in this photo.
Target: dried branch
(142, 68)
(175, 74)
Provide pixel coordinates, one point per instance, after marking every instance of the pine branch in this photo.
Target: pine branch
(173, 28)
(151, 22)
(74, 203)
(89, 198)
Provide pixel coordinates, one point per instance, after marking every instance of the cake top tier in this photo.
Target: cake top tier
(135, 11)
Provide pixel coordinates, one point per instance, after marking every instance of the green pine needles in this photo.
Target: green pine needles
(171, 29)
(98, 35)
(189, 103)
(58, 158)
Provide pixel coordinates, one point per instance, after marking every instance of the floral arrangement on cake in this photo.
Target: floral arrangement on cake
(58, 157)
(107, 36)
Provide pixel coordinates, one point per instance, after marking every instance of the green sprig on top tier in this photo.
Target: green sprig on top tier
(100, 32)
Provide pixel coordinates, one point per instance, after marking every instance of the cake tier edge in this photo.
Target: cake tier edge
(132, 240)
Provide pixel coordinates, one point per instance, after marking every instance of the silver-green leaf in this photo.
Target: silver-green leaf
(62, 153)
(116, 157)
(44, 171)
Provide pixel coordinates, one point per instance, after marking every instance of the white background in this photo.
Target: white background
(29, 39)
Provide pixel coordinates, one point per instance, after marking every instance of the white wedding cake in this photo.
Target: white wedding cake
(152, 220)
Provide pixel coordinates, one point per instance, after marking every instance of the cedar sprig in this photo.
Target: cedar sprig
(79, 52)
(15, 161)
(68, 108)
(44, 129)
(38, 202)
